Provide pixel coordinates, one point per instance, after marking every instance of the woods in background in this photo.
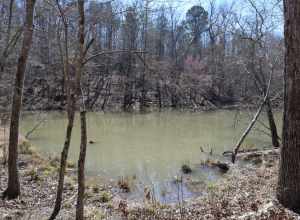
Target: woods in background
(146, 54)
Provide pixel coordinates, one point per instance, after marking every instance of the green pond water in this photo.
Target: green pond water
(151, 146)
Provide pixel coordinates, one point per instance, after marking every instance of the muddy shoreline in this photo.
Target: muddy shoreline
(245, 192)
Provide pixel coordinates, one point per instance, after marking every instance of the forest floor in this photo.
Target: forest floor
(245, 192)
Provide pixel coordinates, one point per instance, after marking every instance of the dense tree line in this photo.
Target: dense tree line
(146, 54)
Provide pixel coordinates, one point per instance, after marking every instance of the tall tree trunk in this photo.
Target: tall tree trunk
(83, 142)
(288, 191)
(13, 188)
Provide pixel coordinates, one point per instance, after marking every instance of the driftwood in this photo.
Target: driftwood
(252, 123)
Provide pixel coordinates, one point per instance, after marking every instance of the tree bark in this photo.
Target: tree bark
(288, 191)
(83, 142)
(13, 188)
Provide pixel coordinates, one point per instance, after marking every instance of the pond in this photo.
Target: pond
(151, 147)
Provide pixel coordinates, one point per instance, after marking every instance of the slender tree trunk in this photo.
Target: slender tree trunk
(107, 94)
(13, 188)
(71, 108)
(288, 191)
(63, 161)
(83, 143)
